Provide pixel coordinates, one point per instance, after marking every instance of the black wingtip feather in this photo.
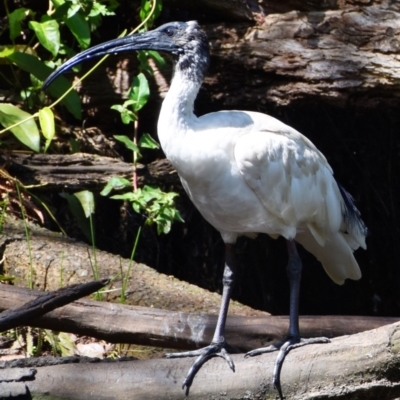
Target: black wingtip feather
(351, 214)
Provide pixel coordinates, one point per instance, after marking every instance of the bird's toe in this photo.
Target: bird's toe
(203, 355)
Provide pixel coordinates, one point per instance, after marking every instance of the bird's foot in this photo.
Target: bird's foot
(203, 355)
(284, 348)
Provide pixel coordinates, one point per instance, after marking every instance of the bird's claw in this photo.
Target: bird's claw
(284, 348)
(203, 355)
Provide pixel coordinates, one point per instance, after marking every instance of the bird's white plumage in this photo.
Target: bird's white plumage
(247, 172)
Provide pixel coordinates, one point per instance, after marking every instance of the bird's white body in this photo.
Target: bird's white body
(249, 173)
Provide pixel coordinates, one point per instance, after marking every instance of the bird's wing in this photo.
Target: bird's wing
(290, 176)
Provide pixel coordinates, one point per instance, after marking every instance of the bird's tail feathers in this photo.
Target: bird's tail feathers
(336, 255)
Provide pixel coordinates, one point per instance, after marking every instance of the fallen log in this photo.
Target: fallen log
(58, 258)
(233, 10)
(81, 171)
(146, 326)
(362, 366)
(341, 56)
(42, 303)
(338, 56)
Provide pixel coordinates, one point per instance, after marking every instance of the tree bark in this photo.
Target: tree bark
(233, 10)
(255, 10)
(80, 171)
(342, 56)
(117, 323)
(43, 303)
(362, 366)
(344, 53)
(57, 260)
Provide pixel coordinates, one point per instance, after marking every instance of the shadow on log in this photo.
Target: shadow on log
(55, 172)
(43, 303)
(362, 366)
(161, 328)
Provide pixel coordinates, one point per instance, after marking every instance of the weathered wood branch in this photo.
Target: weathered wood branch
(118, 323)
(57, 172)
(43, 303)
(233, 10)
(249, 10)
(362, 366)
(271, 6)
(345, 56)
(340, 56)
(59, 258)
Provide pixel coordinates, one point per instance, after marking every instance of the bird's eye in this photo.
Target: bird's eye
(169, 31)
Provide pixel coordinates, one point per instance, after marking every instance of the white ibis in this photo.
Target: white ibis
(247, 173)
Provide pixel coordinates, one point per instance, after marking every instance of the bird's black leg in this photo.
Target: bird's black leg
(293, 339)
(218, 346)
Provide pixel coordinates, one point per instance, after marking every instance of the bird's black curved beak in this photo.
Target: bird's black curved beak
(152, 40)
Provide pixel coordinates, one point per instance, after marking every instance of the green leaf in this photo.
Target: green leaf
(158, 58)
(147, 142)
(14, 20)
(127, 142)
(86, 199)
(58, 3)
(71, 14)
(127, 116)
(72, 10)
(77, 210)
(61, 10)
(48, 34)
(36, 67)
(46, 119)
(149, 193)
(178, 216)
(79, 27)
(145, 9)
(5, 278)
(139, 92)
(118, 107)
(100, 9)
(5, 51)
(27, 132)
(129, 196)
(116, 183)
(144, 66)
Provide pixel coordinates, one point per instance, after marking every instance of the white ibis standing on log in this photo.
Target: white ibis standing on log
(247, 173)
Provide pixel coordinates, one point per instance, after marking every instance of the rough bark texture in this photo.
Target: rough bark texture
(44, 302)
(57, 260)
(362, 366)
(234, 10)
(345, 56)
(80, 171)
(146, 326)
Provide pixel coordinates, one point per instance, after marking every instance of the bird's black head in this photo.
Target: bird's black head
(185, 41)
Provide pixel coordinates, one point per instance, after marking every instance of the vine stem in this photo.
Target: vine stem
(135, 156)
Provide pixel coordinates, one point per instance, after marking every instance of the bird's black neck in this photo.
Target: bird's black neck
(195, 58)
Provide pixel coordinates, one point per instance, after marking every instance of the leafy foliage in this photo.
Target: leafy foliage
(27, 131)
(157, 206)
(37, 46)
(45, 35)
